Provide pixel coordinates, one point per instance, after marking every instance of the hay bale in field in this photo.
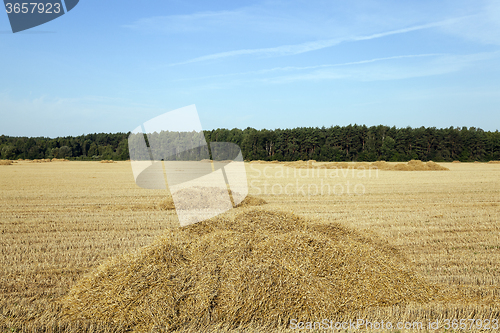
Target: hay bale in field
(107, 161)
(44, 160)
(59, 160)
(5, 162)
(436, 167)
(167, 204)
(381, 165)
(250, 201)
(401, 167)
(257, 268)
(456, 162)
(494, 162)
(416, 165)
(193, 196)
(413, 165)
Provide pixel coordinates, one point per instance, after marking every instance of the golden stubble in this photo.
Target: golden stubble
(60, 220)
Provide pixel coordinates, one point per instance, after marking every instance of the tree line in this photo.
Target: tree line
(336, 143)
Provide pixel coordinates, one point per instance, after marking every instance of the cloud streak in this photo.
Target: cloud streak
(296, 68)
(376, 69)
(285, 50)
(443, 64)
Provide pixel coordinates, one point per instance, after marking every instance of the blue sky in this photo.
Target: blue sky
(108, 66)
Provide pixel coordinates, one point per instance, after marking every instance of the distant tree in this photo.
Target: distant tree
(64, 152)
(93, 150)
(8, 152)
(388, 148)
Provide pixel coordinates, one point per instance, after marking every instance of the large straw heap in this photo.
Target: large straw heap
(256, 268)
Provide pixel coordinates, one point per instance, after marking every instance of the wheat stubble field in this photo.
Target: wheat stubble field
(60, 220)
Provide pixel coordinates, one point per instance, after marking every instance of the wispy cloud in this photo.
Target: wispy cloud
(439, 65)
(264, 18)
(285, 50)
(302, 68)
(482, 27)
(376, 69)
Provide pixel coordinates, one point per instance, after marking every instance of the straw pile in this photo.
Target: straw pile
(494, 162)
(250, 201)
(5, 162)
(257, 268)
(192, 197)
(107, 161)
(413, 165)
(416, 165)
(456, 162)
(44, 160)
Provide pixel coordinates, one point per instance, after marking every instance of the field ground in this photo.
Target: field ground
(59, 220)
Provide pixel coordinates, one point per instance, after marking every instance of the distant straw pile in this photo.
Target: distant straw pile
(413, 165)
(494, 162)
(193, 197)
(416, 165)
(107, 161)
(47, 160)
(5, 162)
(257, 268)
(44, 160)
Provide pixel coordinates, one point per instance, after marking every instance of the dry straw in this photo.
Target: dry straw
(45, 160)
(413, 165)
(494, 162)
(256, 268)
(107, 161)
(5, 162)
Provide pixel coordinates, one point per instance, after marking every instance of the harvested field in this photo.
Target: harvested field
(60, 222)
